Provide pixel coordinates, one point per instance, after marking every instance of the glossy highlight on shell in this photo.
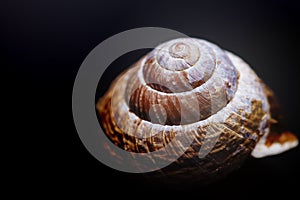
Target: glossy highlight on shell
(189, 87)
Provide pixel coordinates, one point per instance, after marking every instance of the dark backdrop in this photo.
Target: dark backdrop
(43, 44)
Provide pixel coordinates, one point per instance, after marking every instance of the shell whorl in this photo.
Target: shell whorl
(182, 72)
(188, 88)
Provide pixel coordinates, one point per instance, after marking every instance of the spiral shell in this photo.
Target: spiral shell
(188, 87)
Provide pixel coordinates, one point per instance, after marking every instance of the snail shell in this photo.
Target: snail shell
(189, 87)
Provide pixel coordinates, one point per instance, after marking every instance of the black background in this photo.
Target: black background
(43, 44)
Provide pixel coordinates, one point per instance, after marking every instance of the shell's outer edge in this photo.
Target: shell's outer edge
(262, 149)
(235, 129)
(278, 139)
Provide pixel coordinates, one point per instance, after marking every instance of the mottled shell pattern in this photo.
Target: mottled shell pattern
(189, 88)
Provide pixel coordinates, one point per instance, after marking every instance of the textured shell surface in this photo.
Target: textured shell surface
(188, 88)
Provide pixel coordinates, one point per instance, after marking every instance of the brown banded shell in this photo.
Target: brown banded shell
(188, 88)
